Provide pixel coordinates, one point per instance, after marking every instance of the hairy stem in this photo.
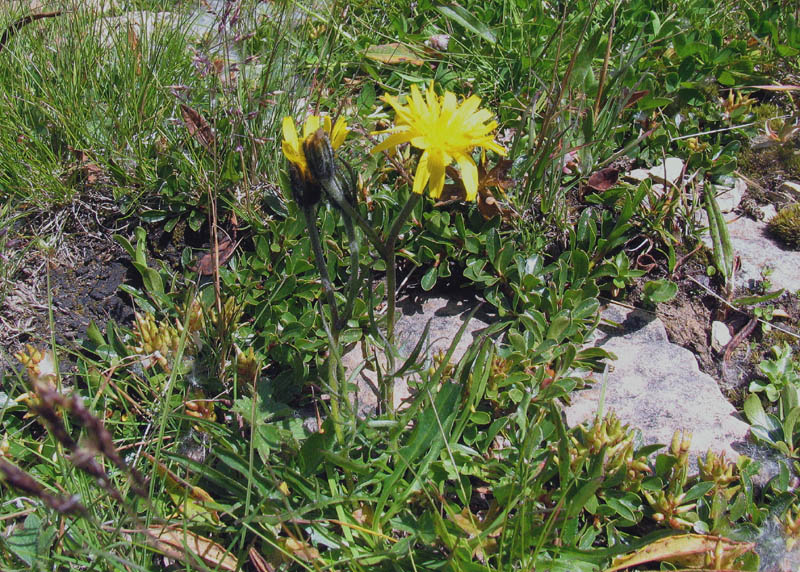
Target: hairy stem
(319, 258)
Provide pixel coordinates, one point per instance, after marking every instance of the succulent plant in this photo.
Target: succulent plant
(609, 432)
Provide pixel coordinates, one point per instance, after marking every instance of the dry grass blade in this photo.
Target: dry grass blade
(198, 127)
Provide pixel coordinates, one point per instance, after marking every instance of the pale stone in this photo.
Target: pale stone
(768, 212)
(759, 252)
(446, 316)
(669, 170)
(638, 175)
(657, 387)
(720, 336)
(729, 197)
(791, 187)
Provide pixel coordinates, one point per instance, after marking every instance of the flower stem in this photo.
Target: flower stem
(334, 189)
(389, 257)
(387, 383)
(319, 259)
(333, 383)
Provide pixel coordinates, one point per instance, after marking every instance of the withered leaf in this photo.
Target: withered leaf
(15, 26)
(259, 562)
(197, 126)
(186, 546)
(393, 53)
(205, 265)
(488, 205)
(603, 179)
(299, 549)
(636, 96)
(684, 550)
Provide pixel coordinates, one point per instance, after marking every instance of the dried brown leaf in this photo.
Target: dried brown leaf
(300, 549)
(15, 26)
(205, 265)
(186, 546)
(259, 562)
(198, 127)
(603, 179)
(636, 96)
(685, 550)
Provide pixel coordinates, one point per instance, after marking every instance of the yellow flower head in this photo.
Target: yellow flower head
(446, 131)
(293, 145)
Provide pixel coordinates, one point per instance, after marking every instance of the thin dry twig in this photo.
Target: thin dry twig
(18, 24)
(732, 307)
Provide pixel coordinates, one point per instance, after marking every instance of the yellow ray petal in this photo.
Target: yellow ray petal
(469, 175)
(422, 175)
(436, 166)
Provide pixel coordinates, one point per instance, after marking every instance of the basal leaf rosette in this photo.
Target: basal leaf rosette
(446, 131)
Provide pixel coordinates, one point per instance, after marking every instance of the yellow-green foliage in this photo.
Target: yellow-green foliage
(786, 225)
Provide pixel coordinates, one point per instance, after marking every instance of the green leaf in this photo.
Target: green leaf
(754, 411)
(753, 300)
(657, 291)
(468, 20)
(557, 328)
(31, 541)
(726, 78)
(429, 279)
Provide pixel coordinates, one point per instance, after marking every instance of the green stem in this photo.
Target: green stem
(334, 190)
(389, 257)
(387, 383)
(319, 259)
(333, 383)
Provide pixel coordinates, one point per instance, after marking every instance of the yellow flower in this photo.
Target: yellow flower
(293, 146)
(446, 131)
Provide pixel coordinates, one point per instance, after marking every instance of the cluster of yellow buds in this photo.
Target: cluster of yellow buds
(668, 508)
(195, 319)
(617, 439)
(734, 101)
(199, 407)
(41, 365)
(248, 365)
(696, 146)
(158, 341)
(230, 313)
(791, 526)
(438, 360)
(679, 448)
(719, 470)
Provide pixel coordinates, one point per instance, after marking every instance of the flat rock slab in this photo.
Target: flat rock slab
(757, 251)
(446, 315)
(657, 387)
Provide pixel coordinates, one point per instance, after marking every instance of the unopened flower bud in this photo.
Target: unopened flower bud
(319, 155)
(305, 190)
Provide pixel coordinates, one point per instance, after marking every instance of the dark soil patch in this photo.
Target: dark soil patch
(88, 291)
(84, 267)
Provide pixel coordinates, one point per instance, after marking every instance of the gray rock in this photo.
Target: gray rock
(446, 315)
(669, 170)
(657, 387)
(759, 251)
(720, 336)
(791, 187)
(768, 212)
(729, 196)
(638, 175)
